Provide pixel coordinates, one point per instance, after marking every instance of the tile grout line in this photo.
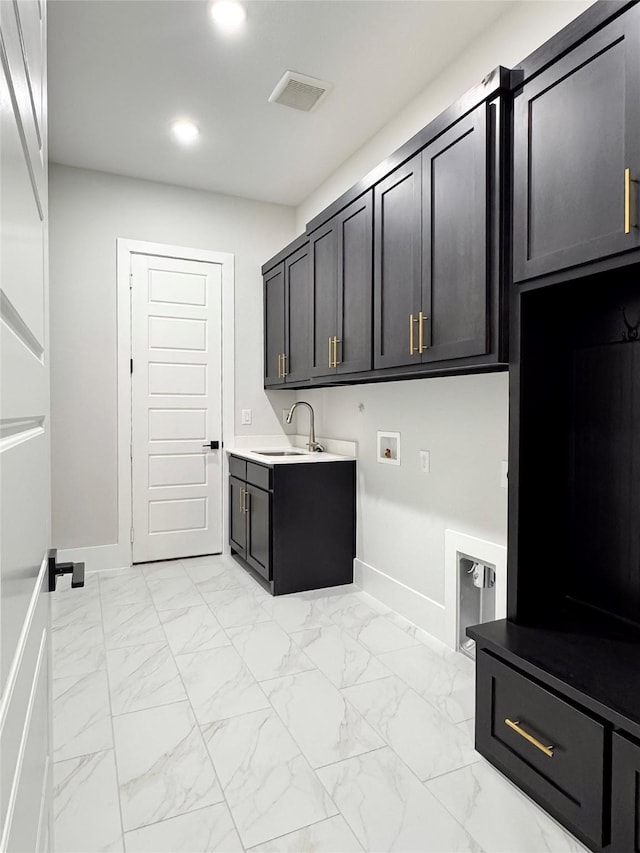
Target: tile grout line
(307, 826)
(113, 733)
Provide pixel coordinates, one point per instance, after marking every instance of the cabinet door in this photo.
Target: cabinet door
(237, 516)
(576, 132)
(324, 297)
(454, 242)
(297, 316)
(274, 291)
(397, 267)
(625, 796)
(355, 286)
(259, 530)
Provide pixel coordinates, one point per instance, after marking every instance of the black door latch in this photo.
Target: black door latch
(214, 445)
(76, 570)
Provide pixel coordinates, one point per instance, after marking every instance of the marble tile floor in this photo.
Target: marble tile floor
(194, 712)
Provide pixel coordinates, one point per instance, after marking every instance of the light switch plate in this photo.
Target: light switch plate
(246, 417)
(425, 461)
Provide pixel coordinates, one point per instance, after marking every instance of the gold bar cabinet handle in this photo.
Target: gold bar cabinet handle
(411, 347)
(330, 352)
(279, 365)
(241, 500)
(421, 346)
(547, 750)
(627, 201)
(247, 501)
(285, 372)
(336, 341)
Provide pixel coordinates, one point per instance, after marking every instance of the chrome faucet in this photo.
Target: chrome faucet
(312, 444)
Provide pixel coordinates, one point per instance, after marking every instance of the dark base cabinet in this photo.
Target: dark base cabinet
(552, 748)
(558, 712)
(294, 524)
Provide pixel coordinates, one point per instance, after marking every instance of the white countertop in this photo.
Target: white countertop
(304, 458)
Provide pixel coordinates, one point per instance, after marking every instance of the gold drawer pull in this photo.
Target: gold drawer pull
(548, 750)
(330, 352)
(285, 372)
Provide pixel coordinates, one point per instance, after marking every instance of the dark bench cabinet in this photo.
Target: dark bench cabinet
(405, 274)
(293, 523)
(558, 681)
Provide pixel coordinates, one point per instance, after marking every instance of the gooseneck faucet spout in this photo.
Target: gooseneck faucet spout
(312, 444)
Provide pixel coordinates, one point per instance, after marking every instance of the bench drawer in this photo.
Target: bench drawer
(551, 749)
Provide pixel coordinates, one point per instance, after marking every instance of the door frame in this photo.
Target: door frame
(125, 248)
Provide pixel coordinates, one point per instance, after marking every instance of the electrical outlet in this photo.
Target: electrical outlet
(425, 461)
(246, 417)
(504, 474)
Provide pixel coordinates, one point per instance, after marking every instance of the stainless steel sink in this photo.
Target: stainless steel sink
(281, 453)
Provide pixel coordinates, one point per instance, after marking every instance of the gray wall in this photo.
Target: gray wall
(88, 212)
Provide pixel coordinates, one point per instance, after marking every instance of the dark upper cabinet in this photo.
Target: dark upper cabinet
(287, 319)
(576, 134)
(432, 296)
(274, 337)
(455, 247)
(406, 270)
(297, 316)
(397, 264)
(341, 291)
(324, 297)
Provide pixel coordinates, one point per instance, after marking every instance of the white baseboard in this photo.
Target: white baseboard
(413, 605)
(98, 557)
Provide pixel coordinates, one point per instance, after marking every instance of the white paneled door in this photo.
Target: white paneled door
(176, 407)
(25, 687)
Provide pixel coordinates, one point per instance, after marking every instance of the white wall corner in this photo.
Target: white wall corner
(413, 605)
(456, 543)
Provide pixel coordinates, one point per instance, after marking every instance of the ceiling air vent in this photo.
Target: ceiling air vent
(299, 91)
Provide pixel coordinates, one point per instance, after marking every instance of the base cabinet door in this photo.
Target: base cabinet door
(455, 283)
(258, 512)
(576, 135)
(625, 796)
(237, 516)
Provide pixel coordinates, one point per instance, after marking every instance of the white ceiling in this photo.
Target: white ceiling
(121, 70)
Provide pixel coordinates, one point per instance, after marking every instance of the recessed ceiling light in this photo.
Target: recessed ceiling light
(185, 131)
(228, 14)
